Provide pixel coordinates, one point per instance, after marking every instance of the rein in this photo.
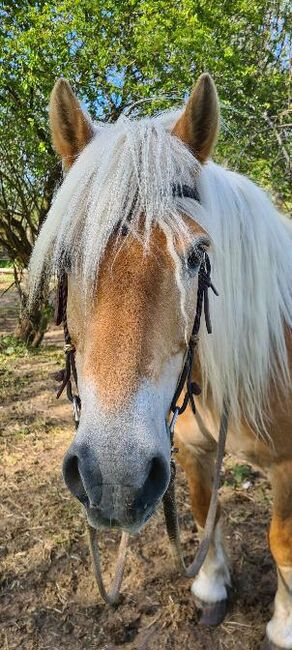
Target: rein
(191, 388)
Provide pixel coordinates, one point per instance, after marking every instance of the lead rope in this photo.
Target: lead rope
(170, 510)
(112, 596)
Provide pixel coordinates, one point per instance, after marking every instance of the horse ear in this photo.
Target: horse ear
(71, 129)
(199, 124)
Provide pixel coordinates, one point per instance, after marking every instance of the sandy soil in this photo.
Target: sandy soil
(48, 598)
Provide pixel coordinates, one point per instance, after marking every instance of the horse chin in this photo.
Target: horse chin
(96, 520)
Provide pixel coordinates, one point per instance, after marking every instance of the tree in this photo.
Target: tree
(118, 53)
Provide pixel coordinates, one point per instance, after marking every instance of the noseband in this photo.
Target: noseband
(190, 389)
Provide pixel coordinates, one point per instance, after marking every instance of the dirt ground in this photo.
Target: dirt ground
(48, 597)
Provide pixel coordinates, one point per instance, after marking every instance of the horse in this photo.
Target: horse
(130, 240)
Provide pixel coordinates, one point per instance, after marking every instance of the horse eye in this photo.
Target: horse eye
(196, 254)
(194, 259)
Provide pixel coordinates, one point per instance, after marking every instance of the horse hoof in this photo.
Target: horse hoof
(213, 614)
(269, 645)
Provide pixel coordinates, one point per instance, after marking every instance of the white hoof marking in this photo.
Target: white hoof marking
(279, 629)
(211, 583)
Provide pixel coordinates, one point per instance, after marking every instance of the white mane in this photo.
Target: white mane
(245, 356)
(130, 167)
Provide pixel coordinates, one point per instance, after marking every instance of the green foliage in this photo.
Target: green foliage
(237, 474)
(10, 346)
(241, 473)
(117, 53)
(5, 264)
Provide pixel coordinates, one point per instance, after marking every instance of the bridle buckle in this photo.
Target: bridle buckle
(76, 409)
(173, 422)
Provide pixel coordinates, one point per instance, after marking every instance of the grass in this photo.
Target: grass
(12, 348)
(23, 373)
(238, 474)
(9, 383)
(5, 264)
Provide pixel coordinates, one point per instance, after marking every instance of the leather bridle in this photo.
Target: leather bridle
(185, 384)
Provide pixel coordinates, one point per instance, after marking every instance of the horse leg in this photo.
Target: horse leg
(197, 451)
(279, 629)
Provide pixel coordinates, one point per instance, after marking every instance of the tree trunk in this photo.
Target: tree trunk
(32, 323)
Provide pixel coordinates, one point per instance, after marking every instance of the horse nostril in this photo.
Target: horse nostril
(73, 479)
(156, 482)
(82, 477)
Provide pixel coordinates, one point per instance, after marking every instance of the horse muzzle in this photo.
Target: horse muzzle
(116, 495)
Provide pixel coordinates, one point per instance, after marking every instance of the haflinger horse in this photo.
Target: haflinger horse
(130, 240)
